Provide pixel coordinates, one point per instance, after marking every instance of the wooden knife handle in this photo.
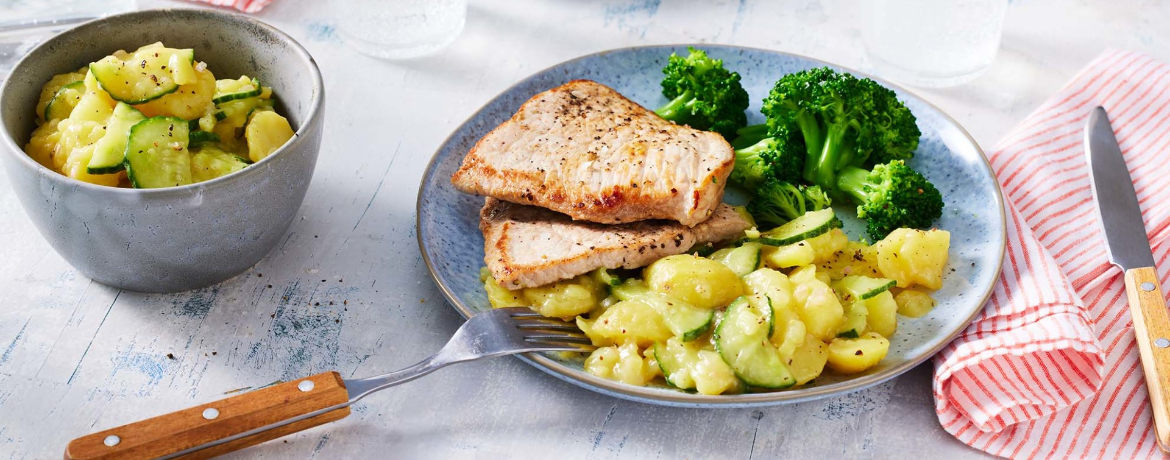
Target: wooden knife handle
(178, 431)
(1151, 327)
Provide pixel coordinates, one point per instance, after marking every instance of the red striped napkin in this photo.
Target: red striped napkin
(1050, 368)
(247, 6)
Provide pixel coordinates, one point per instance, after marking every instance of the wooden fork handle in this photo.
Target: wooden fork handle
(1151, 328)
(180, 431)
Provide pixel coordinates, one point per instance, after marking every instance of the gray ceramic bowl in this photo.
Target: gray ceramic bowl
(181, 238)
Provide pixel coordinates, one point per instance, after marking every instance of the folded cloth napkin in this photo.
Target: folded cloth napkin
(1050, 368)
(247, 6)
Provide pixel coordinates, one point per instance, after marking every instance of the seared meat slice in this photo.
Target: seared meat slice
(586, 151)
(527, 246)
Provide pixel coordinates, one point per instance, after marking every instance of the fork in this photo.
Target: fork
(268, 413)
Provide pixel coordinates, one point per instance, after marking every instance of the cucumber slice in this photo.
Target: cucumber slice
(239, 111)
(683, 320)
(144, 75)
(809, 225)
(855, 320)
(156, 153)
(109, 153)
(742, 340)
(62, 103)
(210, 163)
(763, 303)
(856, 287)
(202, 137)
(702, 249)
(230, 90)
(793, 255)
(674, 358)
(603, 276)
(687, 366)
(742, 260)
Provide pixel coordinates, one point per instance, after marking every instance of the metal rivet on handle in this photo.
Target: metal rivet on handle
(1147, 286)
(1162, 343)
(210, 413)
(305, 385)
(112, 440)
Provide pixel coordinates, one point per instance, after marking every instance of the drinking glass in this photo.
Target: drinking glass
(399, 29)
(933, 43)
(25, 23)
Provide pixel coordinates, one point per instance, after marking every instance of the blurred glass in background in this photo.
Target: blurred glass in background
(24, 23)
(399, 29)
(932, 43)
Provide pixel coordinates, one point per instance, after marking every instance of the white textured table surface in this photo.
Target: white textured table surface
(348, 290)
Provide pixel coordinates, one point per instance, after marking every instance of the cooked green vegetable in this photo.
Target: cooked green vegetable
(810, 225)
(777, 202)
(703, 94)
(109, 154)
(841, 120)
(742, 340)
(64, 101)
(891, 196)
(156, 153)
(767, 158)
(149, 73)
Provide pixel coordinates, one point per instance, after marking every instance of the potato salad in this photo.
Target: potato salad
(154, 117)
(769, 311)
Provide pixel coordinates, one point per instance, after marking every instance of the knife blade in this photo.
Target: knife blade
(1129, 248)
(1121, 217)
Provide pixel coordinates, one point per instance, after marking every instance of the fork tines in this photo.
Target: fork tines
(538, 329)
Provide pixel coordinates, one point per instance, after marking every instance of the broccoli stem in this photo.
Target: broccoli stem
(851, 180)
(813, 142)
(749, 136)
(755, 149)
(759, 131)
(676, 109)
(825, 166)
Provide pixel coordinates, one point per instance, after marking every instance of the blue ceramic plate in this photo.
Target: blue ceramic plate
(451, 243)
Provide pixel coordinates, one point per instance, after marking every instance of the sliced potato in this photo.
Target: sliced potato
(631, 321)
(697, 281)
(913, 303)
(771, 283)
(808, 361)
(850, 356)
(819, 309)
(50, 89)
(883, 314)
(793, 255)
(623, 363)
(856, 258)
(566, 299)
(189, 102)
(914, 257)
(499, 296)
(266, 132)
(827, 245)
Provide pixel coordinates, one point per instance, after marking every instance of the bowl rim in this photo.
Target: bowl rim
(677, 398)
(313, 114)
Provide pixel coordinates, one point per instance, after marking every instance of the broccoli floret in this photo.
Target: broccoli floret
(891, 196)
(768, 158)
(703, 94)
(777, 202)
(842, 120)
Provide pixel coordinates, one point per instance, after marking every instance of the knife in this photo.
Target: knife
(1129, 249)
